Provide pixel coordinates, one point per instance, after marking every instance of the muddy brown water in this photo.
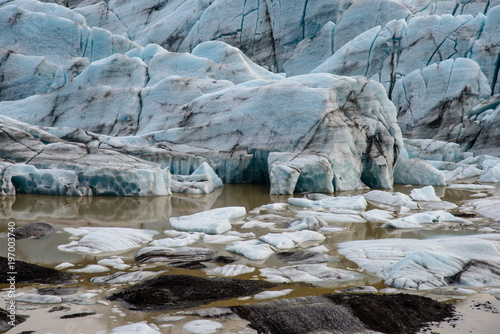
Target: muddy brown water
(479, 312)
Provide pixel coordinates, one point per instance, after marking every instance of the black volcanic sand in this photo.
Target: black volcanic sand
(345, 313)
(184, 291)
(32, 273)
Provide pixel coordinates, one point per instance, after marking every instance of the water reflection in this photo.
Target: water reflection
(71, 211)
(154, 212)
(127, 211)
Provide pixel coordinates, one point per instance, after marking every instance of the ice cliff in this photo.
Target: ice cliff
(159, 83)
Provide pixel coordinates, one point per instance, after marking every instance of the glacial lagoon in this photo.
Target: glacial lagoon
(478, 306)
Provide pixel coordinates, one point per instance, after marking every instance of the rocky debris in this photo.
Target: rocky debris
(296, 257)
(169, 292)
(33, 230)
(77, 315)
(225, 259)
(32, 273)
(58, 291)
(345, 313)
(59, 308)
(173, 255)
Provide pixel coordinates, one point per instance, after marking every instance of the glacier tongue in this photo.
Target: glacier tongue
(54, 36)
(340, 132)
(43, 164)
(133, 88)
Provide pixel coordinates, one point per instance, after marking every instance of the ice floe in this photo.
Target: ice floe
(272, 294)
(308, 273)
(215, 221)
(424, 194)
(391, 199)
(306, 223)
(115, 262)
(90, 269)
(472, 187)
(332, 217)
(288, 240)
(106, 239)
(328, 202)
(184, 239)
(429, 263)
(202, 326)
(33, 298)
(220, 239)
(124, 277)
(377, 215)
(488, 207)
(422, 219)
(136, 328)
(251, 249)
(231, 270)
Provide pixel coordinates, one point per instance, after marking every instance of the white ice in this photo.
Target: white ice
(424, 194)
(90, 269)
(377, 215)
(332, 217)
(220, 239)
(470, 186)
(33, 298)
(308, 273)
(392, 199)
(137, 328)
(107, 239)
(215, 221)
(422, 219)
(251, 249)
(488, 207)
(289, 240)
(230, 270)
(185, 239)
(123, 277)
(272, 294)
(202, 326)
(421, 264)
(339, 202)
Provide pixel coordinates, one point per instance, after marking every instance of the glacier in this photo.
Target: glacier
(156, 85)
(334, 105)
